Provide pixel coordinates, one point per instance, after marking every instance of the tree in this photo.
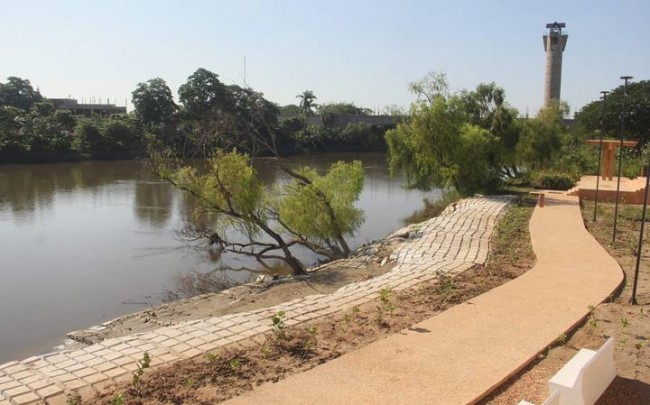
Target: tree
(439, 147)
(11, 140)
(486, 108)
(290, 110)
(430, 87)
(312, 211)
(637, 121)
(154, 103)
(307, 103)
(44, 130)
(203, 92)
(19, 93)
(342, 108)
(541, 136)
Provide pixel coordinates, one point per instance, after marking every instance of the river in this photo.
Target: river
(83, 243)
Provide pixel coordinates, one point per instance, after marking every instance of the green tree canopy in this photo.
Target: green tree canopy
(637, 121)
(203, 92)
(153, 102)
(309, 210)
(19, 93)
(342, 108)
(307, 103)
(444, 142)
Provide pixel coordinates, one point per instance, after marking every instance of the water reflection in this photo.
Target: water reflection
(153, 203)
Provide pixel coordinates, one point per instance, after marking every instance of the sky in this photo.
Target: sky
(364, 52)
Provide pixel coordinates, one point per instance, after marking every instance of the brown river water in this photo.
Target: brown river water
(83, 243)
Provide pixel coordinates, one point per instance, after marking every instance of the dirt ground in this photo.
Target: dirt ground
(236, 369)
(628, 324)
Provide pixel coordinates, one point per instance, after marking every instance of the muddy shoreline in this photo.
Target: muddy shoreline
(368, 261)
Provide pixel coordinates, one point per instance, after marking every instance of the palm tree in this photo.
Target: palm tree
(307, 104)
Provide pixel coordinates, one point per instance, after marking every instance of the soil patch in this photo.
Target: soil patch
(236, 369)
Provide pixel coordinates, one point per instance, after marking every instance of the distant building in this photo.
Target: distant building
(554, 44)
(86, 109)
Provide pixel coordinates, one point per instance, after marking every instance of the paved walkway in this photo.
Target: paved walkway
(450, 243)
(460, 355)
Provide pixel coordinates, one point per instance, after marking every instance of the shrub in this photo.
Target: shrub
(552, 180)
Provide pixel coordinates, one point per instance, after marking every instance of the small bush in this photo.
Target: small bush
(552, 180)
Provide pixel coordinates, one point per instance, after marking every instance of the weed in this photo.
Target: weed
(347, 318)
(356, 310)
(593, 324)
(639, 345)
(117, 399)
(384, 298)
(622, 342)
(561, 340)
(642, 313)
(446, 284)
(142, 365)
(234, 364)
(190, 384)
(212, 358)
(279, 328)
(385, 305)
(73, 399)
(266, 350)
(625, 323)
(312, 330)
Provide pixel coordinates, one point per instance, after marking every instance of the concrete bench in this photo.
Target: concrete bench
(540, 197)
(586, 376)
(554, 399)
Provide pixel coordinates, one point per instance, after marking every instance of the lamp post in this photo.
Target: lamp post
(640, 246)
(600, 150)
(620, 156)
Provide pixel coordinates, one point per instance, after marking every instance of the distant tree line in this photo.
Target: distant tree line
(214, 115)
(209, 115)
(32, 130)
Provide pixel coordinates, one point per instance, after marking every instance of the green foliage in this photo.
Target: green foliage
(311, 210)
(279, 328)
(211, 358)
(437, 147)
(118, 399)
(203, 92)
(446, 284)
(323, 208)
(637, 120)
(143, 364)
(18, 93)
(342, 108)
(541, 138)
(307, 103)
(154, 103)
(423, 147)
(385, 306)
(552, 180)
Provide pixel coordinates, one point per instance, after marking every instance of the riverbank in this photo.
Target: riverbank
(367, 262)
(325, 338)
(87, 242)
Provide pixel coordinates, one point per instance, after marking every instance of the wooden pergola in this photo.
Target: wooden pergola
(609, 155)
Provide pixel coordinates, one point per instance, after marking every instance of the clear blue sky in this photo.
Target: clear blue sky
(359, 51)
